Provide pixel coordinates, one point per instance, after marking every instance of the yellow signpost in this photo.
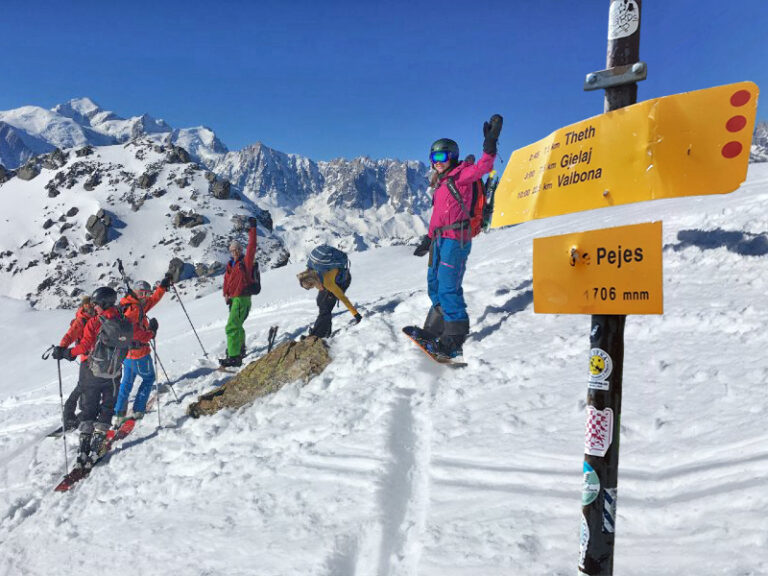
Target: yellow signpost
(608, 271)
(687, 144)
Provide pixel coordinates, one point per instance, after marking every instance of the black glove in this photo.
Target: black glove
(423, 246)
(166, 282)
(62, 353)
(491, 131)
(252, 222)
(229, 302)
(153, 325)
(357, 319)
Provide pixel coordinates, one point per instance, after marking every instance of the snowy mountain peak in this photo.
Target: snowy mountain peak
(81, 110)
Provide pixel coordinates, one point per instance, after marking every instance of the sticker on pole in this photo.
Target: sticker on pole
(599, 431)
(682, 145)
(623, 19)
(600, 368)
(591, 487)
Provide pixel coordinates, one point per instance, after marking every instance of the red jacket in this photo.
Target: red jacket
(238, 274)
(446, 210)
(133, 311)
(76, 327)
(91, 332)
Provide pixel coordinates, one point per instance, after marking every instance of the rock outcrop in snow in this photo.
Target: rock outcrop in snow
(289, 362)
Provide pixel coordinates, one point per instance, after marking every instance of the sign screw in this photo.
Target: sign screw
(606, 192)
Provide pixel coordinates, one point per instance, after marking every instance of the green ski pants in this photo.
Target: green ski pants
(238, 312)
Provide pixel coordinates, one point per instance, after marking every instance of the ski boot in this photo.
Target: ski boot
(231, 361)
(118, 419)
(83, 461)
(99, 445)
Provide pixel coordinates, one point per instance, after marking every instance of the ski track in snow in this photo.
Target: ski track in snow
(390, 465)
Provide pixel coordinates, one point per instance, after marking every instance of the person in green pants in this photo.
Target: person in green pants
(238, 286)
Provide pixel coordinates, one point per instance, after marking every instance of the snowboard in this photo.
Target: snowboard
(416, 334)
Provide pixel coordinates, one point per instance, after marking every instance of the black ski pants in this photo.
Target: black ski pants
(71, 404)
(325, 303)
(98, 398)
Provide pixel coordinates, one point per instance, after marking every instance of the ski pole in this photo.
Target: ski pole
(157, 385)
(63, 422)
(158, 361)
(188, 318)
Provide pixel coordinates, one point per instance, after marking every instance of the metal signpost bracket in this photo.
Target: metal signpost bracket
(616, 76)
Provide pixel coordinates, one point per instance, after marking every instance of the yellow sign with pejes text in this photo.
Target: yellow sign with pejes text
(609, 271)
(683, 145)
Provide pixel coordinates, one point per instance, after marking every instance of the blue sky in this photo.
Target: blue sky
(383, 79)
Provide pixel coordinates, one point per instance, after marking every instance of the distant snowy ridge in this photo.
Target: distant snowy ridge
(82, 172)
(759, 150)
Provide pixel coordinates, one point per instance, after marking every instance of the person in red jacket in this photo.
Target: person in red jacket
(84, 313)
(98, 393)
(238, 279)
(139, 360)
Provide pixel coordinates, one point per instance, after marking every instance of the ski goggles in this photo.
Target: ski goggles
(439, 156)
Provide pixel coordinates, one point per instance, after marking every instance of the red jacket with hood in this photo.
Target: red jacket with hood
(76, 328)
(237, 275)
(133, 312)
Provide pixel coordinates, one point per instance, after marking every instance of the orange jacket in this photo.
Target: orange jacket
(236, 277)
(133, 311)
(76, 327)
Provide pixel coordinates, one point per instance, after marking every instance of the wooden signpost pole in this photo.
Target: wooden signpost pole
(601, 450)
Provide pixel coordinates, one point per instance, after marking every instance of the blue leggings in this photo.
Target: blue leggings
(131, 368)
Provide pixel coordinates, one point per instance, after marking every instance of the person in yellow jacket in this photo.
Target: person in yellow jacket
(328, 271)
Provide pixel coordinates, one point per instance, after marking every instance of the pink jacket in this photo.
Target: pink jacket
(445, 209)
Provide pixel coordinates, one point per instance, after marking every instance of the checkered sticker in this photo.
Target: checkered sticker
(599, 431)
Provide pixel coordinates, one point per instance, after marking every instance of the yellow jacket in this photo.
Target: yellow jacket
(329, 283)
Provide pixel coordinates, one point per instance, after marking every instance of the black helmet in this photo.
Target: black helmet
(104, 297)
(445, 145)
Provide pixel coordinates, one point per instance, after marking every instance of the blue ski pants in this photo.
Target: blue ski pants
(131, 368)
(445, 275)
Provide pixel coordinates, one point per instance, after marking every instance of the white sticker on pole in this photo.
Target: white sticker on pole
(599, 431)
(623, 19)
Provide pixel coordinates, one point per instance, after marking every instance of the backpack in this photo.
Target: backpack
(475, 212)
(324, 258)
(112, 345)
(254, 284)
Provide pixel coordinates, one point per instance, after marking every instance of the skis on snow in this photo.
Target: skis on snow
(81, 473)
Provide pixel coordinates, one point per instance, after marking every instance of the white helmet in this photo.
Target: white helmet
(142, 288)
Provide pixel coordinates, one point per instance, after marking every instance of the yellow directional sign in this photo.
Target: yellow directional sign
(682, 145)
(609, 271)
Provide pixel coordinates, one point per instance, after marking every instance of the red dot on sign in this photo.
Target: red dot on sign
(732, 149)
(735, 124)
(740, 98)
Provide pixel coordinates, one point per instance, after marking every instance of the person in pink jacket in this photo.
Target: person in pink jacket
(447, 323)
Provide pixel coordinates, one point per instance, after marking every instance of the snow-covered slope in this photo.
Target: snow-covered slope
(388, 464)
(157, 209)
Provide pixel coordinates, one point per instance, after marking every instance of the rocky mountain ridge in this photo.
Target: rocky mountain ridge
(78, 153)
